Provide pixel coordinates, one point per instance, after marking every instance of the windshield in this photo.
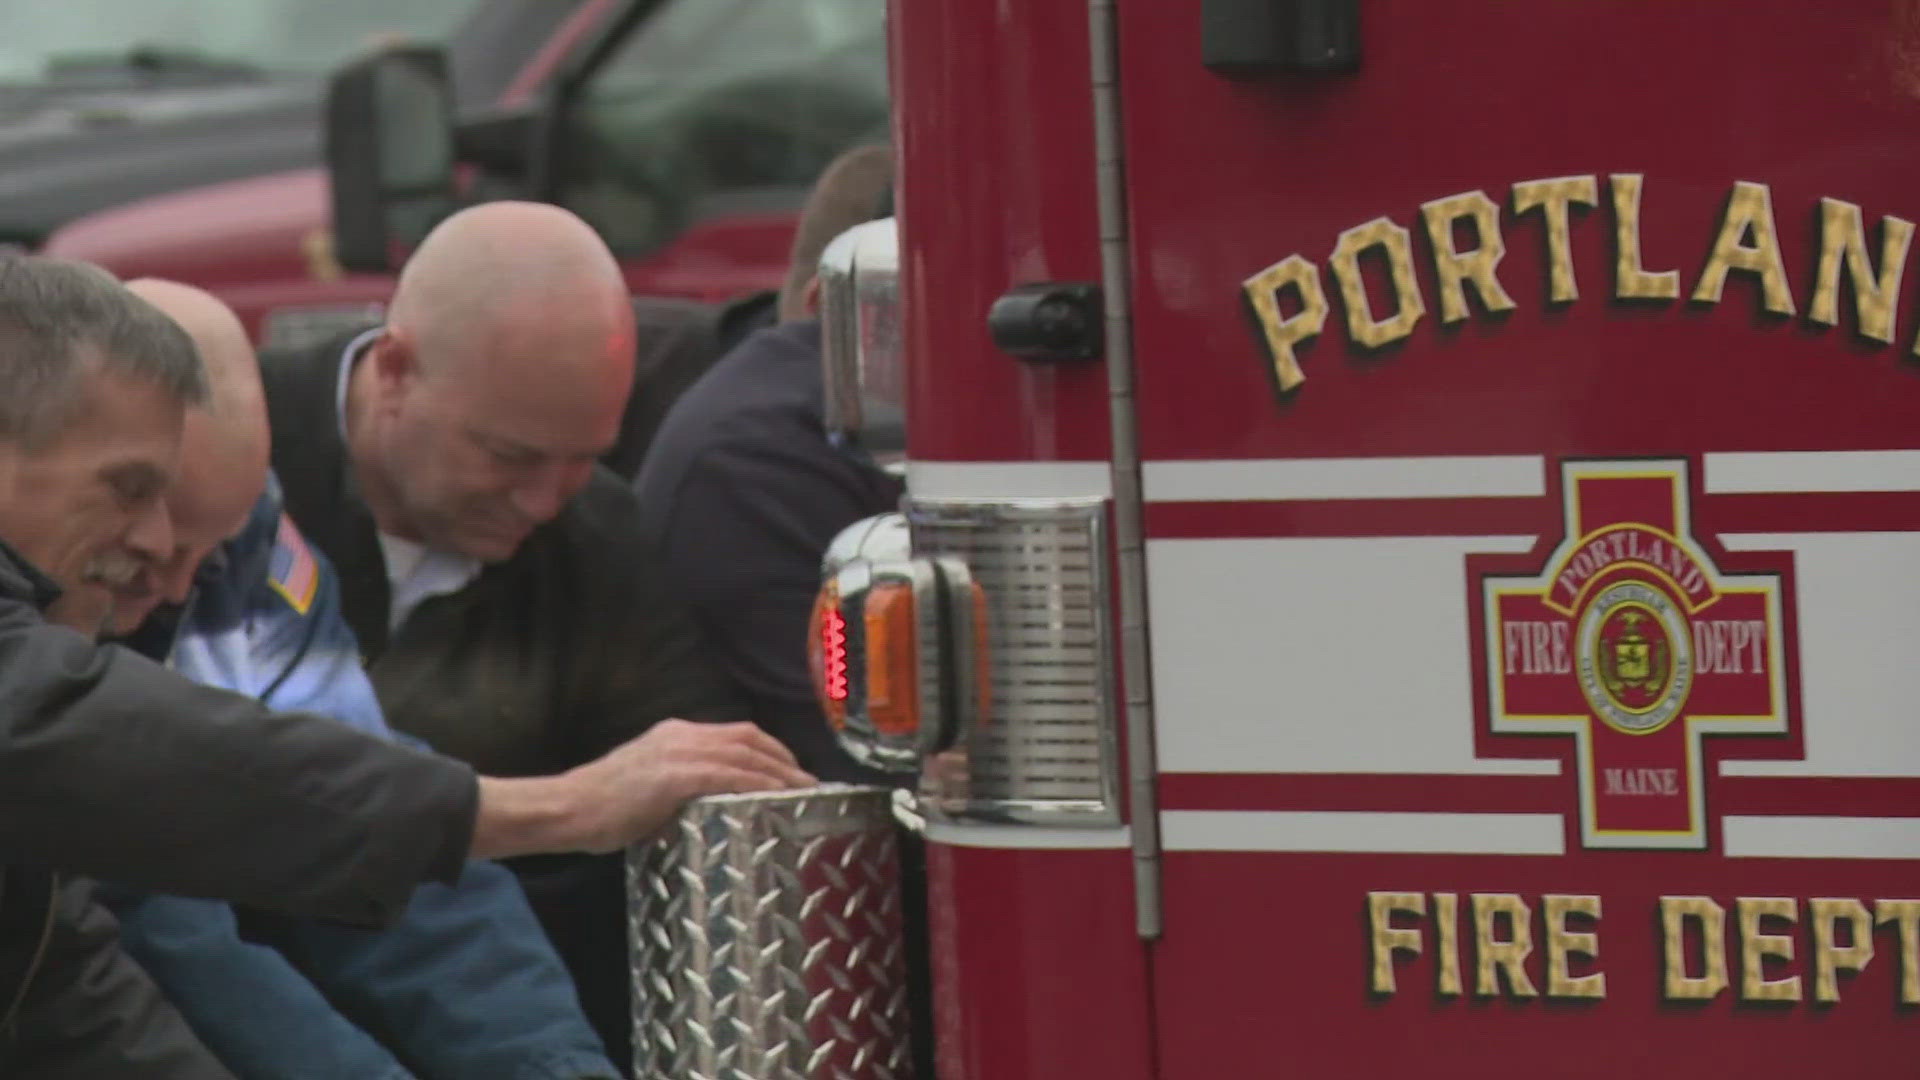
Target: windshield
(695, 44)
(75, 39)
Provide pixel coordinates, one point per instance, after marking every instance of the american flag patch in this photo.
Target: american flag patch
(293, 573)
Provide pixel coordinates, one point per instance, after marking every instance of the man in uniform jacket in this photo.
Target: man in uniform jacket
(446, 462)
(113, 767)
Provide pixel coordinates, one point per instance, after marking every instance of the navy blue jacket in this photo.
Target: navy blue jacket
(740, 493)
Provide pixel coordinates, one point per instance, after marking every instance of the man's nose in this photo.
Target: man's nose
(152, 532)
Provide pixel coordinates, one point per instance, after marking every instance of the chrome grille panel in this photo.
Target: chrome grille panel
(1046, 749)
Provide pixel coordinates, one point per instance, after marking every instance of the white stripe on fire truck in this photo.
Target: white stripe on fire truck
(1821, 837)
(1027, 837)
(1350, 655)
(1291, 655)
(1282, 479)
(998, 480)
(1857, 597)
(1440, 477)
(1363, 831)
(1815, 470)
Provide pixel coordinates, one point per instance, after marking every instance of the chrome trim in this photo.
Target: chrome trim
(1046, 750)
(862, 347)
(875, 551)
(1143, 804)
(882, 537)
(866, 743)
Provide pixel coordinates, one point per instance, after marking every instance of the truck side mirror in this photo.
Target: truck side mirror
(390, 152)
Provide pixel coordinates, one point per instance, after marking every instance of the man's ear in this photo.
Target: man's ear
(395, 363)
(810, 299)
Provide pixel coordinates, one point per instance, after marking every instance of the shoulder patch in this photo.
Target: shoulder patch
(293, 573)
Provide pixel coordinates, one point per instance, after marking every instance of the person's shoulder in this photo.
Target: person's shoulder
(317, 358)
(604, 518)
(268, 562)
(767, 383)
(300, 382)
(762, 396)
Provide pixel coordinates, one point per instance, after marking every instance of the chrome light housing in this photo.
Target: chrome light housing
(863, 346)
(895, 649)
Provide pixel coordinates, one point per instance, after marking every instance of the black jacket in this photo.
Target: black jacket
(675, 342)
(742, 492)
(113, 767)
(545, 661)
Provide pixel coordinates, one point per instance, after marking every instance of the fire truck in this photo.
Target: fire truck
(1409, 555)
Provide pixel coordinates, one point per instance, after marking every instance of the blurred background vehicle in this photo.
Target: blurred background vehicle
(686, 131)
(106, 101)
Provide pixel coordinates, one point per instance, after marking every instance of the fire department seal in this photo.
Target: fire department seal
(1630, 638)
(1635, 653)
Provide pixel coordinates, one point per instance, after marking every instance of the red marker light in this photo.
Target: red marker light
(833, 654)
(828, 656)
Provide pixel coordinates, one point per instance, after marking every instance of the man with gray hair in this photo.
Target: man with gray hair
(113, 767)
(90, 517)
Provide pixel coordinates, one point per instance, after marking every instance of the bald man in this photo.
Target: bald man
(494, 575)
(465, 983)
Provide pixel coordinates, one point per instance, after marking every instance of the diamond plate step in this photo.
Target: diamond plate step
(765, 937)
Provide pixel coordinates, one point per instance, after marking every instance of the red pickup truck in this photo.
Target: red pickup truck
(686, 131)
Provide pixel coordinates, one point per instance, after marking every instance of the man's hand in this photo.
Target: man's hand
(628, 794)
(634, 789)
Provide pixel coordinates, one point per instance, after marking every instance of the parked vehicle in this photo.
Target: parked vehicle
(106, 101)
(686, 131)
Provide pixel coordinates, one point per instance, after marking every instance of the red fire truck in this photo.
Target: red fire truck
(1442, 485)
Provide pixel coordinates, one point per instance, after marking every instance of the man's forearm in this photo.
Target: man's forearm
(527, 816)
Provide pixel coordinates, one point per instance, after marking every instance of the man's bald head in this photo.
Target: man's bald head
(232, 370)
(500, 377)
(511, 271)
(224, 446)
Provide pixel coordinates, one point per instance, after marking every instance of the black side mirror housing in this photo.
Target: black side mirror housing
(390, 152)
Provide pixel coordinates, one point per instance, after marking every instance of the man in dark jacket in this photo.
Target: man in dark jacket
(508, 614)
(675, 342)
(112, 767)
(742, 490)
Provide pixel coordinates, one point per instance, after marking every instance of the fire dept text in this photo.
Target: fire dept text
(1781, 949)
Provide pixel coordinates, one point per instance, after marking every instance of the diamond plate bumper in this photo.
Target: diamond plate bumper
(765, 935)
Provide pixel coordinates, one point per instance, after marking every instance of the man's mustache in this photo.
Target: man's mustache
(115, 569)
